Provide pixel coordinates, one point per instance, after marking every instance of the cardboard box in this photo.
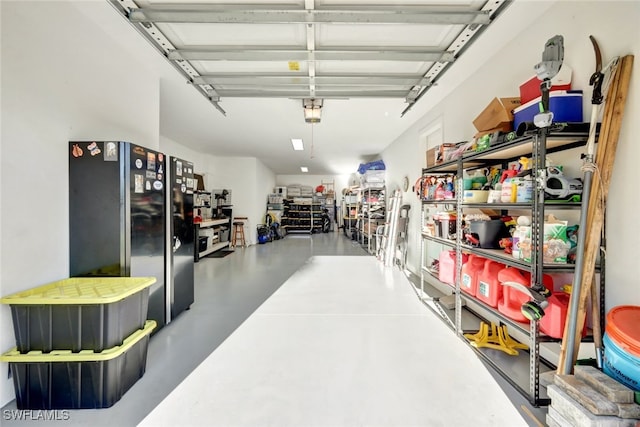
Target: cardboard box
(498, 114)
(504, 128)
(440, 153)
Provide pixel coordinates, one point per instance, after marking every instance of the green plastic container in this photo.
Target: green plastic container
(80, 313)
(83, 380)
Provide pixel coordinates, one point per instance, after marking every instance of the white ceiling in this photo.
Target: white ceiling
(254, 62)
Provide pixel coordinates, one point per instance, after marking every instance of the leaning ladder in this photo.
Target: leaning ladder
(390, 235)
(402, 229)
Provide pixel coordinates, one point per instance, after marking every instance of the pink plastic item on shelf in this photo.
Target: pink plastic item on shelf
(447, 266)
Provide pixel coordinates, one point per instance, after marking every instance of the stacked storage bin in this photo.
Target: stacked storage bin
(80, 342)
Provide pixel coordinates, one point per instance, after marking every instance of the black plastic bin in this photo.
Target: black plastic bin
(203, 243)
(84, 380)
(79, 313)
(445, 225)
(489, 233)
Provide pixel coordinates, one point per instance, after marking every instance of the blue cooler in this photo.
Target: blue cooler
(566, 106)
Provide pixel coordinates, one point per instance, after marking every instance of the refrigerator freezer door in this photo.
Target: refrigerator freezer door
(96, 212)
(146, 223)
(117, 215)
(182, 231)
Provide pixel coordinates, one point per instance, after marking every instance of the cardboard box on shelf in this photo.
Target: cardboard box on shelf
(440, 153)
(498, 115)
(504, 127)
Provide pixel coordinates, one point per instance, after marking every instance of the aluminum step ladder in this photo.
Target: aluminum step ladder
(390, 235)
(402, 229)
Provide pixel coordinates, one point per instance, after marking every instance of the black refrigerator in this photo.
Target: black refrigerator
(117, 215)
(180, 248)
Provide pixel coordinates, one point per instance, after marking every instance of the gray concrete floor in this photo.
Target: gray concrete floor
(228, 291)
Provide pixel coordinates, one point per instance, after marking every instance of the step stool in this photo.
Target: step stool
(238, 237)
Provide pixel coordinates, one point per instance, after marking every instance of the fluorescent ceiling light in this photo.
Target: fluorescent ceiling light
(297, 144)
(304, 169)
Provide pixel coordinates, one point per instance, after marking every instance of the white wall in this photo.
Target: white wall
(249, 180)
(501, 76)
(63, 80)
(57, 86)
(171, 148)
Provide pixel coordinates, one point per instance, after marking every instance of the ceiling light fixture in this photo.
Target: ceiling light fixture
(297, 144)
(304, 169)
(312, 108)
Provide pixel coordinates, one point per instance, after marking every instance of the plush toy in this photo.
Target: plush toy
(506, 243)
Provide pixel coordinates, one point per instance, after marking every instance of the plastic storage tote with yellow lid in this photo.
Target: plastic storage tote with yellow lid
(79, 313)
(87, 379)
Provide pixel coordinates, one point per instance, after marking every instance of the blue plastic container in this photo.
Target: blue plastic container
(622, 345)
(620, 365)
(566, 106)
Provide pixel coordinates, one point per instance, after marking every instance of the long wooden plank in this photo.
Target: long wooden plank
(607, 143)
(604, 160)
(594, 198)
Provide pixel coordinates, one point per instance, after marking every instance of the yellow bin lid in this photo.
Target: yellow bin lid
(81, 290)
(37, 356)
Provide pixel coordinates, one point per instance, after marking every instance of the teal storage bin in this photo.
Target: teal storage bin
(620, 365)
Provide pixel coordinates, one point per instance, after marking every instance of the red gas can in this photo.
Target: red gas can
(470, 272)
(489, 287)
(512, 298)
(555, 315)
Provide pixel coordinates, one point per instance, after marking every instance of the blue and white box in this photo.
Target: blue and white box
(566, 106)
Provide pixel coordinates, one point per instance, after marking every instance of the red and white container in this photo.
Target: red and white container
(530, 89)
(470, 272)
(512, 298)
(489, 288)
